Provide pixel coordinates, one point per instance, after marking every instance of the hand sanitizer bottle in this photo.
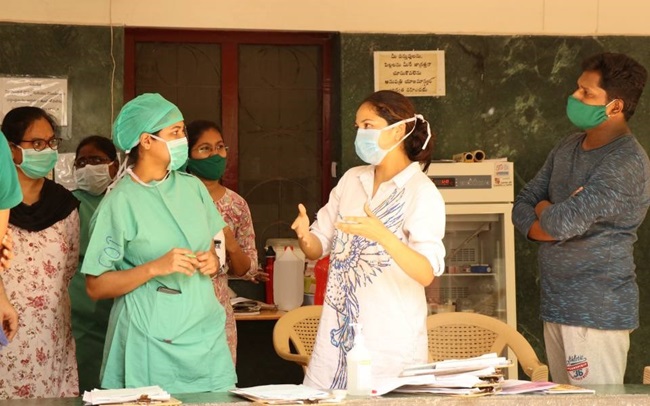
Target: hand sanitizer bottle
(359, 363)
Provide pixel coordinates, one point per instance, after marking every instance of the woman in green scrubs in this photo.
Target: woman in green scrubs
(95, 166)
(151, 248)
(10, 196)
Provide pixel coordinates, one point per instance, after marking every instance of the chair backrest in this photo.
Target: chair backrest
(297, 327)
(646, 375)
(462, 335)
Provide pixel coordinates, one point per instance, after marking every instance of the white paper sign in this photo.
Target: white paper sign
(50, 94)
(411, 73)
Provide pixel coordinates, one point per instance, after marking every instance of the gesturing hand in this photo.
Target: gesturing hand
(179, 260)
(301, 225)
(369, 227)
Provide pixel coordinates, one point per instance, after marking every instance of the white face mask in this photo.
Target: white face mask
(366, 144)
(94, 179)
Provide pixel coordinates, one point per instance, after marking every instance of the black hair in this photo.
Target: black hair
(620, 76)
(198, 127)
(394, 107)
(102, 143)
(19, 119)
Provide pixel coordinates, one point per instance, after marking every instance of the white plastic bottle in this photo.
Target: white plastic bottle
(359, 362)
(288, 280)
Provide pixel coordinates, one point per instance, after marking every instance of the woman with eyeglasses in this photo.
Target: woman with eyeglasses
(95, 167)
(40, 360)
(151, 249)
(207, 161)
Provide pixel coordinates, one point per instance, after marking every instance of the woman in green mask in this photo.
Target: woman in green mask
(208, 154)
(40, 361)
(151, 249)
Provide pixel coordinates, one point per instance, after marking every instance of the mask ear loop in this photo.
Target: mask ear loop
(426, 142)
(607, 105)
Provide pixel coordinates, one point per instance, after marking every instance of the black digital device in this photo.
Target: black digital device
(169, 291)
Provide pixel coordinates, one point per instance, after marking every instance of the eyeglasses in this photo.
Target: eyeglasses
(207, 150)
(40, 144)
(91, 160)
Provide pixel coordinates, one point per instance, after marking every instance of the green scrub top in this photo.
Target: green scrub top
(177, 341)
(89, 318)
(10, 192)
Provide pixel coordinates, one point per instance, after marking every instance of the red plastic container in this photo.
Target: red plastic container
(268, 268)
(320, 270)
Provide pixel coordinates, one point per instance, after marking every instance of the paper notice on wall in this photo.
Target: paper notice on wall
(50, 94)
(411, 73)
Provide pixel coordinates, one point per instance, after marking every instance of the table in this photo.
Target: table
(606, 395)
(263, 315)
(257, 361)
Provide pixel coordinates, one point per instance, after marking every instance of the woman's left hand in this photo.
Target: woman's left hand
(369, 227)
(256, 276)
(209, 263)
(7, 253)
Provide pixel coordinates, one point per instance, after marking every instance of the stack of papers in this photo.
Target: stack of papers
(286, 394)
(150, 394)
(468, 377)
(475, 365)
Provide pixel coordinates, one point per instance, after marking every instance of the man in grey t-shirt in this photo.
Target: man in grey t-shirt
(584, 207)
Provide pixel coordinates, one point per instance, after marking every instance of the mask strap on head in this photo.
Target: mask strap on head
(154, 136)
(426, 142)
(121, 171)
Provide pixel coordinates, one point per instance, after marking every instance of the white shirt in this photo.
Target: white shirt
(365, 285)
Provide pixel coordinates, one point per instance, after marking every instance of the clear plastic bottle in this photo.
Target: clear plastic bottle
(359, 362)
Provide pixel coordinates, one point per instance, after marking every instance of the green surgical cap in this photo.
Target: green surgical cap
(147, 113)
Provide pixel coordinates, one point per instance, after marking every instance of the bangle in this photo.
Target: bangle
(250, 274)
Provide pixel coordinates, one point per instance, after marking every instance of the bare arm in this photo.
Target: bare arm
(309, 243)
(112, 284)
(240, 263)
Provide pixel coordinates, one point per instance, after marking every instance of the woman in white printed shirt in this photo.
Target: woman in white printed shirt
(382, 229)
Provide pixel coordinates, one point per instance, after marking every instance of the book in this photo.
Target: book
(515, 387)
(242, 305)
(562, 388)
(288, 394)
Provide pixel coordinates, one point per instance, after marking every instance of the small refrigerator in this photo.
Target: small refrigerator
(479, 241)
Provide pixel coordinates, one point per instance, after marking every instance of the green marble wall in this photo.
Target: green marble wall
(507, 96)
(80, 53)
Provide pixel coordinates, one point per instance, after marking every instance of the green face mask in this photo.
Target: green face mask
(211, 168)
(37, 164)
(585, 116)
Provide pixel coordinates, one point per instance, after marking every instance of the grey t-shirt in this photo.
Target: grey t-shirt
(588, 275)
